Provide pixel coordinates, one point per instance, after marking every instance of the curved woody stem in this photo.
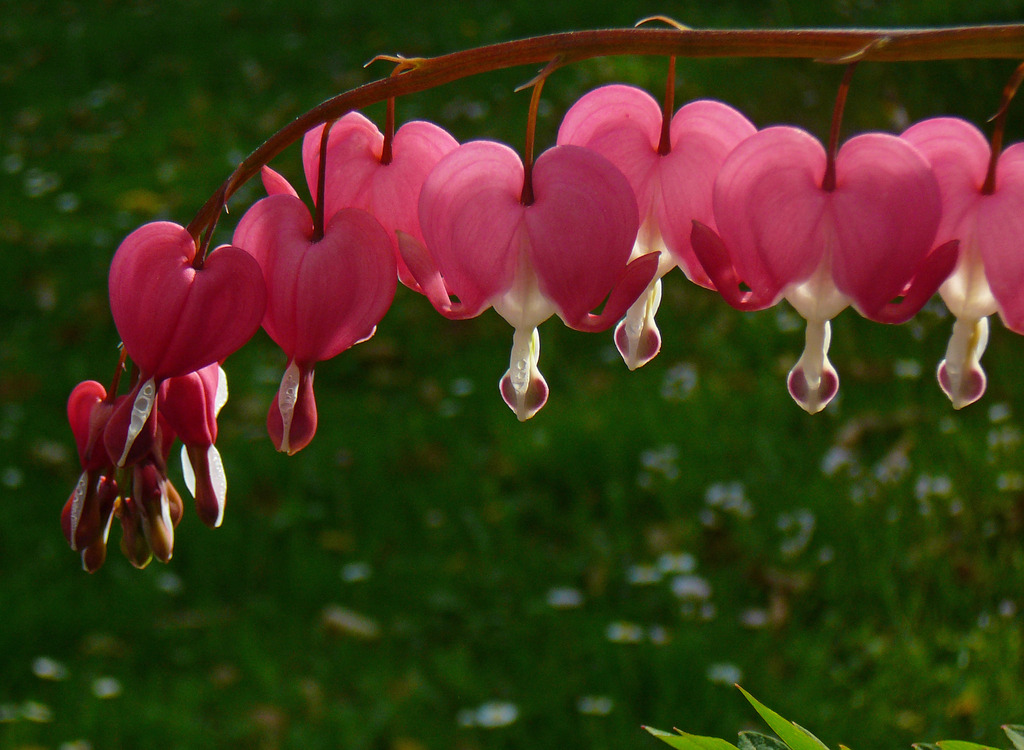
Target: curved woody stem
(883, 45)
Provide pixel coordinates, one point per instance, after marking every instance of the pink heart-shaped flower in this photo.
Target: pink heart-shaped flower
(874, 229)
(174, 318)
(357, 178)
(323, 295)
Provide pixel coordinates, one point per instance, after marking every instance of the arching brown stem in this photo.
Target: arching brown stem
(967, 42)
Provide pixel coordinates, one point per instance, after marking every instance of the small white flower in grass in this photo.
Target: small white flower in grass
(624, 632)
(75, 745)
(342, 621)
(999, 412)
(724, 673)
(12, 477)
(658, 635)
(36, 712)
(9, 712)
(496, 714)
(462, 387)
(565, 598)
(106, 688)
(595, 705)
(1010, 481)
(691, 587)
(754, 618)
(46, 668)
(354, 572)
(907, 369)
(677, 562)
(1005, 438)
(679, 382)
(170, 583)
(730, 497)
(642, 575)
(839, 458)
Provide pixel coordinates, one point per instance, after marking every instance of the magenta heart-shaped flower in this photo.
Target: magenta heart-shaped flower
(872, 231)
(323, 295)
(175, 318)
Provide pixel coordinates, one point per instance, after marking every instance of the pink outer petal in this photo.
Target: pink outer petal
(344, 284)
(275, 183)
(357, 179)
(581, 226)
(172, 318)
(933, 271)
(324, 296)
(885, 212)
(715, 260)
(87, 413)
(280, 220)
(632, 283)
(1000, 229)
(292, 417)
(188, 404)
(959, 155)
(770, 209)
(469, 215)
(354, 147)
(623, 124)
(703, 134)
(424, 271)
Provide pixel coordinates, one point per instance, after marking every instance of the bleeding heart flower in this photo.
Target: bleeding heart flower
(673, 185)
(866, 239)
(358, 176)
(190, 404)
(324, 295)
(175, 318)
(563, 254)
(988, 220)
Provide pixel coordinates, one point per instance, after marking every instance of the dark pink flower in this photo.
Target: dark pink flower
(323, 295)
(190, 404)
(988, 221)
(173, 318)
(357, 177)
(865, 241)
(563, 254)
(623, 124)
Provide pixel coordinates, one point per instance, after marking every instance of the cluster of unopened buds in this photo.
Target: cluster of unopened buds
(630, 191)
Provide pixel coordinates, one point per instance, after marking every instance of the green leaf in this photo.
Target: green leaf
(926, 746)
(685, 741)
(792, 734)
(961, 745)
(1016, 734)
(758, 741)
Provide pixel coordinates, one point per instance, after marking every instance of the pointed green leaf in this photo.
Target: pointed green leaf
(926, 746)
(792, 734)
(684, 741)
(961, 745)
(758, 741)
(1016, 734)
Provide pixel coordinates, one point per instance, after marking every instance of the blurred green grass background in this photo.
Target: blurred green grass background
(429, 573)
